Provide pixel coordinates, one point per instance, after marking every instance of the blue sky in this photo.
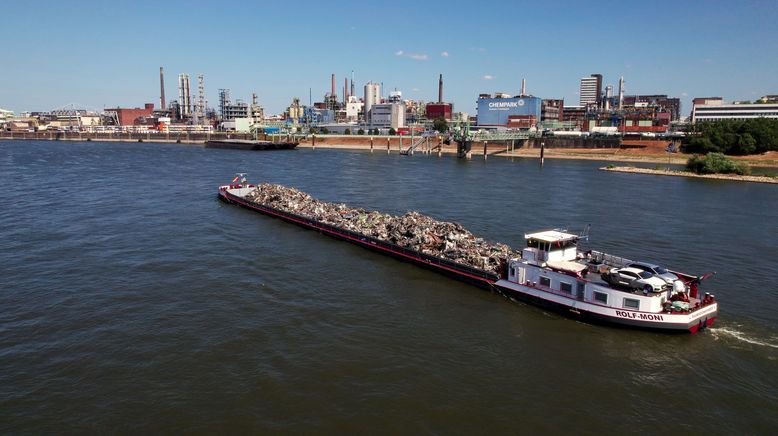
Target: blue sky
(102, 54)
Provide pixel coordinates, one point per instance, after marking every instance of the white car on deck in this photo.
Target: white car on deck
(635, 278)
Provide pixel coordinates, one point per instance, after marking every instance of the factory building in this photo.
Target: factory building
(503, 110)
(353, 108)
(714, 109)
(239, 109)
(439, 110)
(552, 110)
(388, 115)
(663, 102)
(130, 117)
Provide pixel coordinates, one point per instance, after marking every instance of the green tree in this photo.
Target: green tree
(737, 137)
(716, 163)
(392, 132)
(360, 132)
(440, 125)
(325, 130)
(347, 131)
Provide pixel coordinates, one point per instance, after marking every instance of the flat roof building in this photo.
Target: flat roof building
(715, 110)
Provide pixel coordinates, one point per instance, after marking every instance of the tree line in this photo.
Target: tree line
(733, 137)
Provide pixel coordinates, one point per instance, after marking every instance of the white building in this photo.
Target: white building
(388, 115)
(353, 108)
(713, 109)
(591, 87)
(5, 116)
(372, 97)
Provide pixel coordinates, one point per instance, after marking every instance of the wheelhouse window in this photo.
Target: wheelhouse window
(566, 287)
(601, 297)
(545, 281)
(630, 303)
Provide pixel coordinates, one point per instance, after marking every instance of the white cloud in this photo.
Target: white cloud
(414, 56)
(444, 54)
(415, 89)
(684, 94)
(488, 77)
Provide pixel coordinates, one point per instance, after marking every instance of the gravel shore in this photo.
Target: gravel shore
(734, 177)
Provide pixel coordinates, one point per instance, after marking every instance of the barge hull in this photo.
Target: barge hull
(250, 145)
(463, 273)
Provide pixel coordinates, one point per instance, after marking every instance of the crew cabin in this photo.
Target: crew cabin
(551, 263)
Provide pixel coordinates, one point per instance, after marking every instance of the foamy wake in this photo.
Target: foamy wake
(719, 333)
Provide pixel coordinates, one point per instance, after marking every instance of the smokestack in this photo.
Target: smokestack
(352, 83)
(523, 87)
(162, 88)
(332, 91)
(345, 90)
(440, 89)
(621, 92)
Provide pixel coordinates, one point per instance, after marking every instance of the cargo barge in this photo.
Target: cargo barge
(241, 144)
(551, 272)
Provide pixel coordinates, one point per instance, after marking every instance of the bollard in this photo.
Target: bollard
(387, 145)
(542, 152)
(371, 144)
(484, 150)
(313, 141)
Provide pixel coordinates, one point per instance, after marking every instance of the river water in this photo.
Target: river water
(131, 300)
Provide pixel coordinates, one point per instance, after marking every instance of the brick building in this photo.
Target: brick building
(130, 117)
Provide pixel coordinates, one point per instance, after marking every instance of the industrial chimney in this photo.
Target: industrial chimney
(621, 92)
(440, 89)
(352, 83)
(162, 88)
(523, 87)
(332, 91)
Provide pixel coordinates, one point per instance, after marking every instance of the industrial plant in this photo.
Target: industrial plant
(600, 111)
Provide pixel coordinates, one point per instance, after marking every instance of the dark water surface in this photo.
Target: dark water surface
(131, 300)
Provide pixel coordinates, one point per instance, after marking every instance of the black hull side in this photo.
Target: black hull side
(463, 273)
(251, 145)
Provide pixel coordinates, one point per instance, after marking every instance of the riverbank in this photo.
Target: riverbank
(666, 172)
(646, 152)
